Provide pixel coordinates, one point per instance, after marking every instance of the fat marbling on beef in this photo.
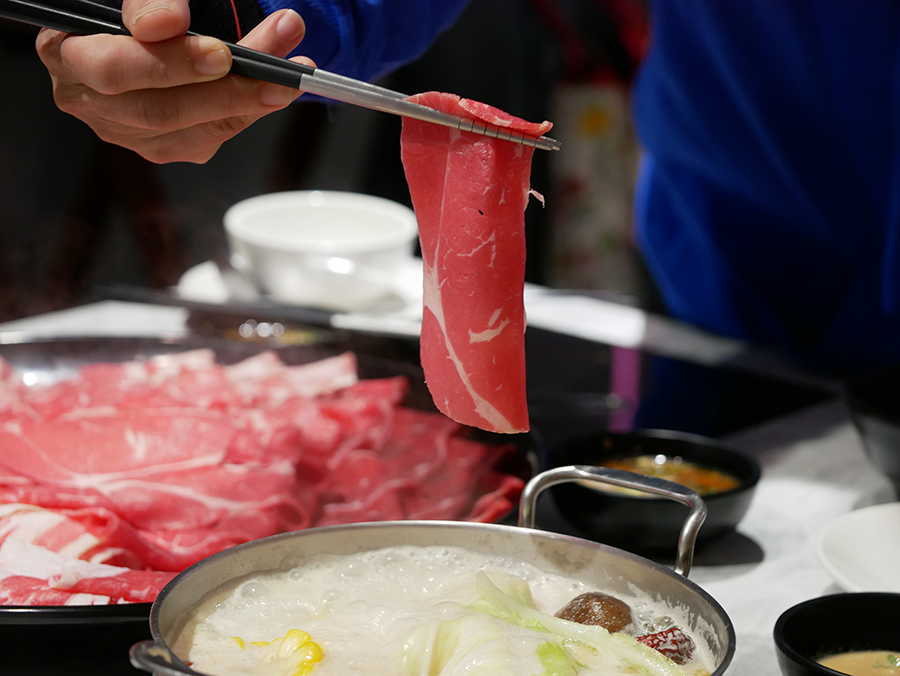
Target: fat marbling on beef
(115, 479)
(469, 193)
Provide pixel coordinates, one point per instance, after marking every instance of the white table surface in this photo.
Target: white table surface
(814, 470)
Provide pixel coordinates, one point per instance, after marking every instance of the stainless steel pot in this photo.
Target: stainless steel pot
(605, 567)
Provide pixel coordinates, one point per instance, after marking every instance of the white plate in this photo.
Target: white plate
(861, 550)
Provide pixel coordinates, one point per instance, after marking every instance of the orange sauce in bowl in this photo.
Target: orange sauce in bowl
(701, 479)
(864, 663)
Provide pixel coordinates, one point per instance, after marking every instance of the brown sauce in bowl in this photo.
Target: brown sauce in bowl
(701, 479)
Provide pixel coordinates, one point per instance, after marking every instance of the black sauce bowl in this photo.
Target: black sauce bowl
(873, 400)
(644, 523)
(834, 624)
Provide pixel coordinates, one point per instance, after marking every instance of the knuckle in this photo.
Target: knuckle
(72, 100)
(48, 42)
(48, 46)
(158, 112)
(222, 130)
(65, 101)
(45, 43)
(104, 72)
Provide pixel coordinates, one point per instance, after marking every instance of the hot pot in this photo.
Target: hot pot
(606, 567)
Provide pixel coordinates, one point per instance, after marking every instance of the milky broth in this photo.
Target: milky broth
(362, 610)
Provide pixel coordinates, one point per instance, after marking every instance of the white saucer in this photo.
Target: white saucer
(204, 283)
(861, 550)
(399, 314)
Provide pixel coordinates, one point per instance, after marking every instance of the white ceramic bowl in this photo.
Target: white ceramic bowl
(338, 250)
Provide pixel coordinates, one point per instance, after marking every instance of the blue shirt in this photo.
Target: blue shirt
(366, 39)
(768, 201)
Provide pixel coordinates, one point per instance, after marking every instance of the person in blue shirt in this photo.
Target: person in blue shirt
(768, 205)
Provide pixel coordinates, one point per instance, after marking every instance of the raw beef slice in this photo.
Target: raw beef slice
(469, 193)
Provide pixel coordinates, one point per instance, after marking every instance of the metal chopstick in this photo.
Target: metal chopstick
(83, 17)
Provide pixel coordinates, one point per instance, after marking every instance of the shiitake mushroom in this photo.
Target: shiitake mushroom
(598, 609)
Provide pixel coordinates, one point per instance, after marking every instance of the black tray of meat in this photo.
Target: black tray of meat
(126, 460)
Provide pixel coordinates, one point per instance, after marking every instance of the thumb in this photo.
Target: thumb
(156, 20)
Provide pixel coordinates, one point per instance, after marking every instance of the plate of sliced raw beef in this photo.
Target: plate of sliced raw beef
(126, 460)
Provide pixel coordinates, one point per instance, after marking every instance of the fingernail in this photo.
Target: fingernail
(290, 26)
(275, 95)
(213, 62)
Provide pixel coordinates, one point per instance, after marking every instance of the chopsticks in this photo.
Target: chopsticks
(83, 17)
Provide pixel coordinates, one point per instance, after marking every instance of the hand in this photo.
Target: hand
(160, 93)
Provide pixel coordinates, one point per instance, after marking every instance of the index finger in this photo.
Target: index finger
(156, 20)
(112, 64)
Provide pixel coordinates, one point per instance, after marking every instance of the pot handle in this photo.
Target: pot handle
(159, 660)
(618, 477)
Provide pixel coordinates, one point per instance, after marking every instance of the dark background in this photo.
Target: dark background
(77, 214)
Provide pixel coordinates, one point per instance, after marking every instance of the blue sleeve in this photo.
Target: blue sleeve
(367, 39)
(768, 205)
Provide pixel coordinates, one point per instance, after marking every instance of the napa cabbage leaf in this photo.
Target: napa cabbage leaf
(481, 645)
(505, 635)
(576, 637)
